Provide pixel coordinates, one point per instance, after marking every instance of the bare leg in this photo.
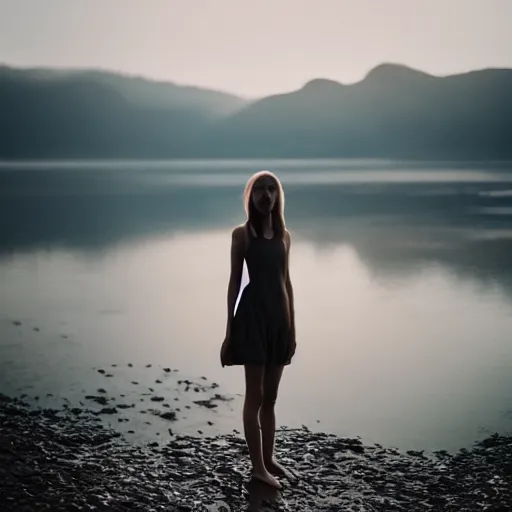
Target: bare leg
(253, 400)
(271, 381)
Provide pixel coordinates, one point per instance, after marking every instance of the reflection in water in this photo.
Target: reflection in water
(260, 495)
(403, 290)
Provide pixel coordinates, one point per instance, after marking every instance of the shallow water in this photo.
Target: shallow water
(402, 276)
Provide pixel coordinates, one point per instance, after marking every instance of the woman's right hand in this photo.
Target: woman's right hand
(225, 353)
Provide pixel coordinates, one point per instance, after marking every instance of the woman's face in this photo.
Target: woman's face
(264, 194)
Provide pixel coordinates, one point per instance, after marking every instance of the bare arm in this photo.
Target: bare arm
(235, 278)
(289, 287)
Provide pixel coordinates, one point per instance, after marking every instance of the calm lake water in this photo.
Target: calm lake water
(402, 275)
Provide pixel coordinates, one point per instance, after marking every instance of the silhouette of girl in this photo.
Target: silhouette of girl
(261, 335)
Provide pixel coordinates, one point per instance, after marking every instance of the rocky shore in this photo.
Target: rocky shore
(59, 460)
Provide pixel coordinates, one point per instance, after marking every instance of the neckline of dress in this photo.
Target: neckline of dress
(256, 237)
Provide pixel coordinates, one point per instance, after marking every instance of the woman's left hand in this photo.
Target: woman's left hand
(226, 358)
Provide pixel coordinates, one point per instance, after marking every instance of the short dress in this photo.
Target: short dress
(261, 328)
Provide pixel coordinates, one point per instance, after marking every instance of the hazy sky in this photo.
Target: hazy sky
(256, 47)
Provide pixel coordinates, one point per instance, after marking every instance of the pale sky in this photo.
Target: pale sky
(256, 47)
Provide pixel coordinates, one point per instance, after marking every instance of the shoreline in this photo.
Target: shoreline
(53, 459)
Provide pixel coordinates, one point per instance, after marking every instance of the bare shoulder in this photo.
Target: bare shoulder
(238, 232)
(238, 235)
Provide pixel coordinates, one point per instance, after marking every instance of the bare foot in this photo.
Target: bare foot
(274, 468)
(267, 478)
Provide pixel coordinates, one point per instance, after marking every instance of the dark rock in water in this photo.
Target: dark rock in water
(130, 365)
(135, 382)
(157, 398)
(101, 390)
(114, 365)
(206, 403)
(16, 322)
(222, 398)
(108, 410)
(166, 405)
(148, 366)
(108, 375)
(210, 423)
(167, 370)
(169, 415)
(158, 381)
(98, 399)
(125, 406)
(101, 371)
(36, 329)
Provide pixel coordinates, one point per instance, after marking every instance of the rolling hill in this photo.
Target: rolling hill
(394, 112)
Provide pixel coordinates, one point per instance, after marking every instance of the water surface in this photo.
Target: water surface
(402, 276)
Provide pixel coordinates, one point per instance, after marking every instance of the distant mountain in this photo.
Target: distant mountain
(138, 90)
(394, 112)
(46, 113)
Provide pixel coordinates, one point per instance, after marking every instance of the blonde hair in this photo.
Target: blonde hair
(253, 217)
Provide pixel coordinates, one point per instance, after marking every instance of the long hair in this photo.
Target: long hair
(254, 217)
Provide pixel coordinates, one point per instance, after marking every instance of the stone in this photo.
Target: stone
(169, 415)
(98, 399)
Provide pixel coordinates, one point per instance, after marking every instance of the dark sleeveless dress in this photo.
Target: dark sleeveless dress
(260, 330)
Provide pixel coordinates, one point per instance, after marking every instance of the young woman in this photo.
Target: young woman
(261, 335)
